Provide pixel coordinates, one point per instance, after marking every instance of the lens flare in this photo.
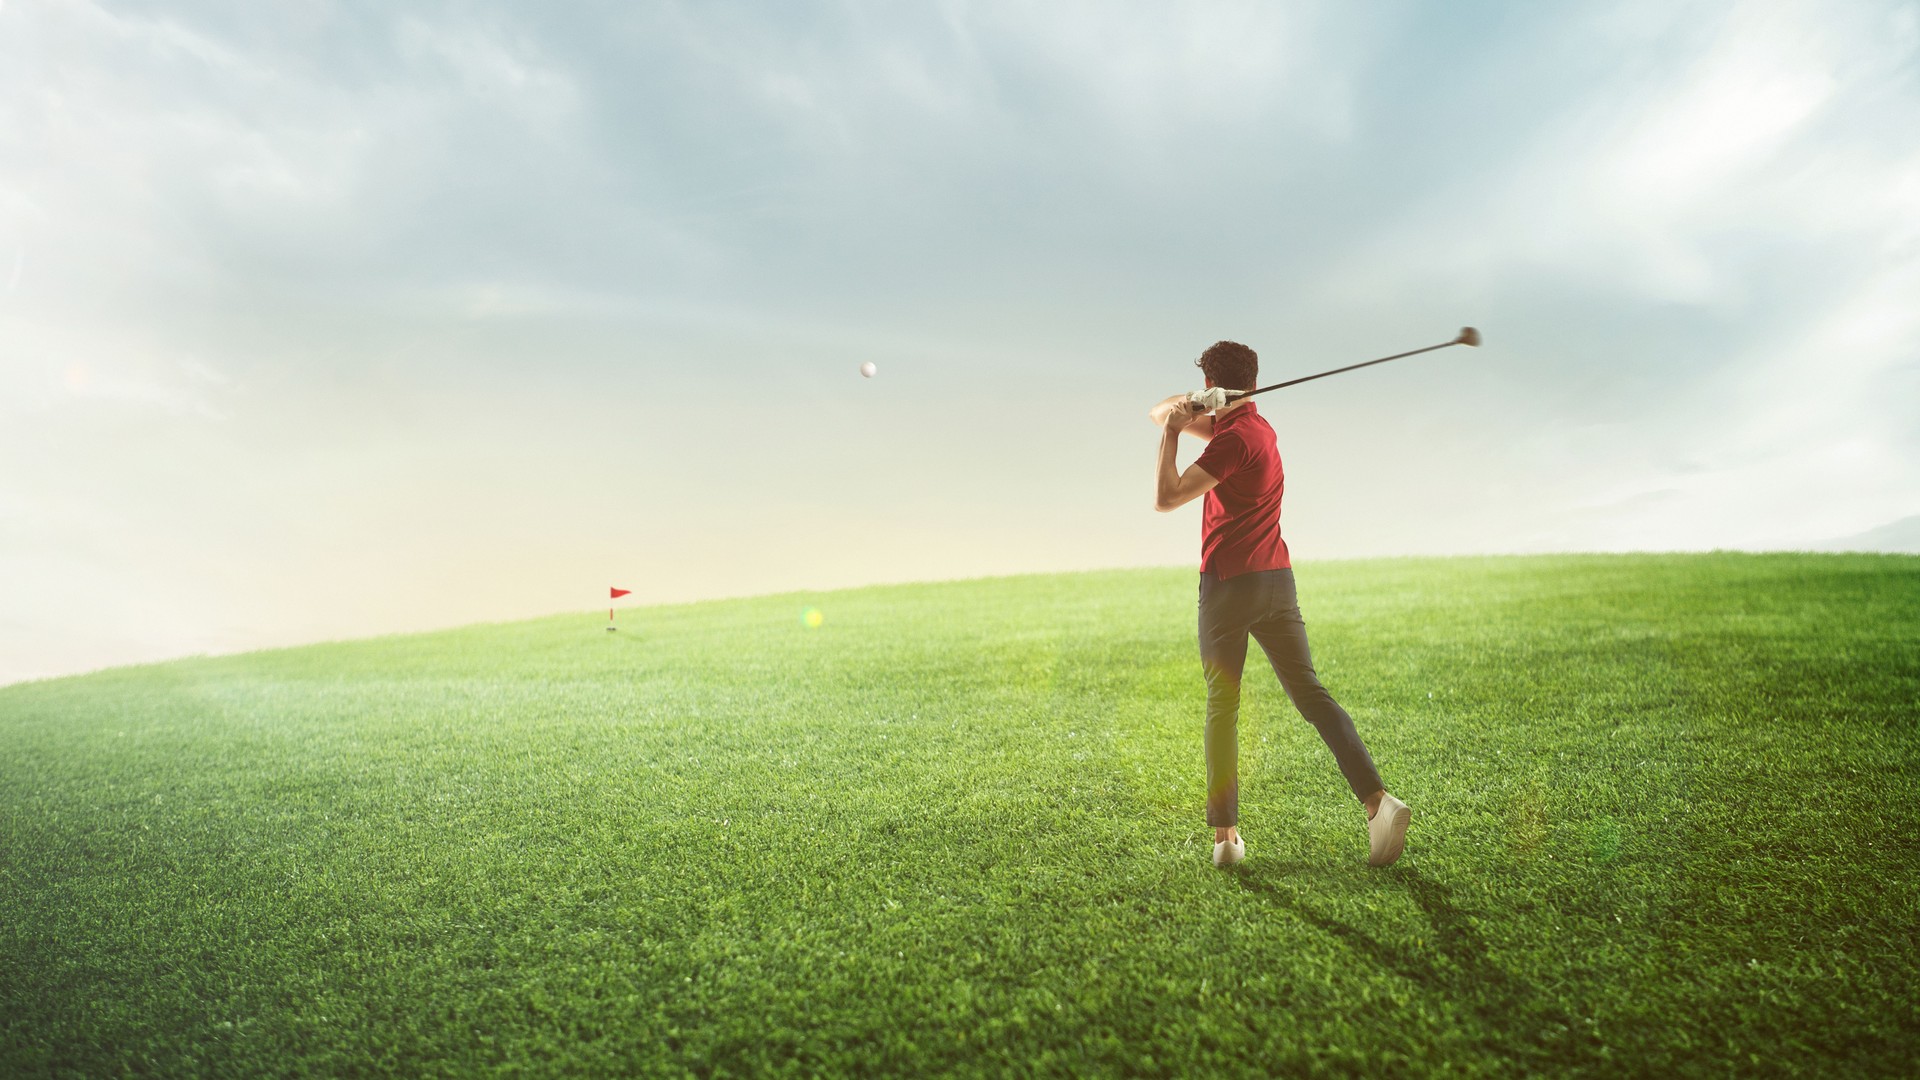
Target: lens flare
(811, 617)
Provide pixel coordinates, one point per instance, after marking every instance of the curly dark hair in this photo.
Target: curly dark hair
(1230, 364)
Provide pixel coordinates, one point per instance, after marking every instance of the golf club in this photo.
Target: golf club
(1468, 336)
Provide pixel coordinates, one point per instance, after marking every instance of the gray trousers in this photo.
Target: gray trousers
(1263, 604)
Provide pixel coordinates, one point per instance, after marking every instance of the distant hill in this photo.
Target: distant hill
(1902, 536)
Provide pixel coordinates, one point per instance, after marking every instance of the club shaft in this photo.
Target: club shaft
(1349, 367)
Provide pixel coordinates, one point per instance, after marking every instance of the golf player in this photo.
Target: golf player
(1246, 587)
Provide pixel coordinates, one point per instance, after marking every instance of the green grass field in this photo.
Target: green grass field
(1664, 823)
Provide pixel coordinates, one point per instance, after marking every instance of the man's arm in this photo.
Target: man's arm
(1172, 490)
(1200, 427)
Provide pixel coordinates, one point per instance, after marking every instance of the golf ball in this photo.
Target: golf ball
(868, 369)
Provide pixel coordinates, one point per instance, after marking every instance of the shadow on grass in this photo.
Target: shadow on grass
(1516, 1021)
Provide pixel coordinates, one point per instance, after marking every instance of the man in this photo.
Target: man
(1246, 587)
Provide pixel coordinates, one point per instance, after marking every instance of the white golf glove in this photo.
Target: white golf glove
(1212, 399)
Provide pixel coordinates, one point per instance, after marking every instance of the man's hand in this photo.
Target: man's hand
(1212, 399)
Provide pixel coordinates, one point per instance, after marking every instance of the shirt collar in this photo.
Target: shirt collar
(1235, 415)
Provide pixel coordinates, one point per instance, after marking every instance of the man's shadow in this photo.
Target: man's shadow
(1513, 1014)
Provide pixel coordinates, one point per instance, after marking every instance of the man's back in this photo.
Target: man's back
(1240, 525)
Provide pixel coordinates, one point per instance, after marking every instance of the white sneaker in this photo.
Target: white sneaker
(1226, 854)
(1387, 831)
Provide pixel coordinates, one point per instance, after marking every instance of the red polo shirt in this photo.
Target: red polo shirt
(1240, 527)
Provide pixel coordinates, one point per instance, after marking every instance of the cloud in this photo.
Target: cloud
(1735, 210)
(184, 388)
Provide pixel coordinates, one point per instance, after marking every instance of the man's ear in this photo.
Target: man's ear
(1209, 381)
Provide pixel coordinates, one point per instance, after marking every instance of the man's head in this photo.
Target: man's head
(1230, 364)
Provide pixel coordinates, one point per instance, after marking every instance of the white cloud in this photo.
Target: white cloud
(1735, 110)
(1779, 125)
(1748, 187)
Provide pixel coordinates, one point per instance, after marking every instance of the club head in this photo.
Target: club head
(1468, 336)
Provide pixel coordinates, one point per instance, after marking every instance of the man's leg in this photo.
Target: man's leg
(1282, 634)
(1224, 614)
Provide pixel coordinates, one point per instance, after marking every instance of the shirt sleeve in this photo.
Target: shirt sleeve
(1223, 457)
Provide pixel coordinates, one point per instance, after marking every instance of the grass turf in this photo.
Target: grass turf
(1663, 823)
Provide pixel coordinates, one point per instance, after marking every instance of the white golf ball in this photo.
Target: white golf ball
(868, 369)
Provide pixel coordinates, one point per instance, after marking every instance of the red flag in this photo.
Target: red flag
(617, 593)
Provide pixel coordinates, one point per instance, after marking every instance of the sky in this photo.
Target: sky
(327, 320)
